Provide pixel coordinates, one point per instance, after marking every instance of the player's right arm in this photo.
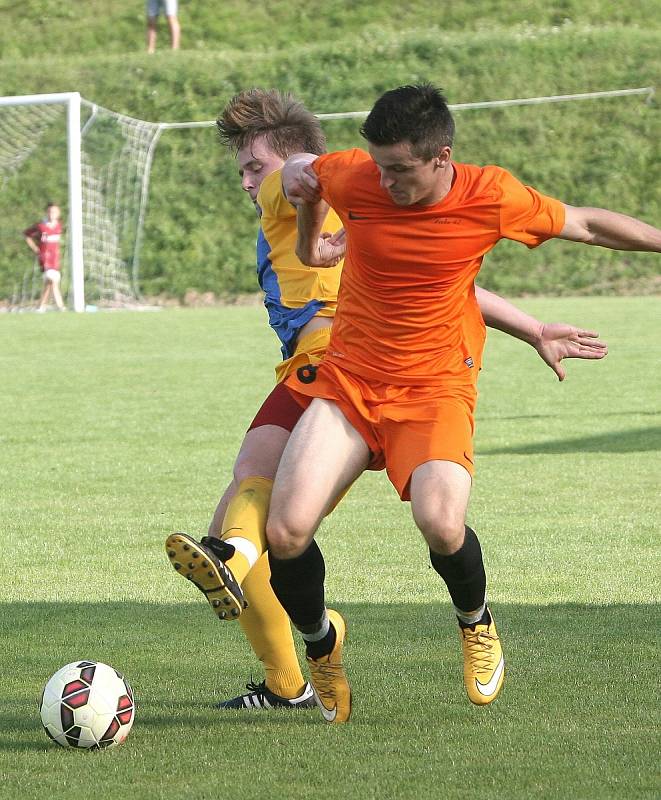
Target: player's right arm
(300, 186)
(314, 247)
(299, 181)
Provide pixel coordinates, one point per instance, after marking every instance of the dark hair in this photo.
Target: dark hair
(418, 114)
(285, 123)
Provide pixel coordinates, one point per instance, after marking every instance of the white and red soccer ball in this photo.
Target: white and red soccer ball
(87, 705)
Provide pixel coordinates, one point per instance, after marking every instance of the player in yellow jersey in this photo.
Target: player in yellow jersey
(229, 565)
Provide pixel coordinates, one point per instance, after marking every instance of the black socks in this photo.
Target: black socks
(463, 572)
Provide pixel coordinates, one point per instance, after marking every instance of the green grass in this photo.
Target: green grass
(339, 56)
(119, 428)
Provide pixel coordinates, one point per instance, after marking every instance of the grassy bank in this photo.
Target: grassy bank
(199, 229)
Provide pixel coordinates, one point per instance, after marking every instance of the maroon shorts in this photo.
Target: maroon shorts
(280, 409)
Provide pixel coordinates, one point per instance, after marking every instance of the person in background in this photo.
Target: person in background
(43, 238)
(169, 8)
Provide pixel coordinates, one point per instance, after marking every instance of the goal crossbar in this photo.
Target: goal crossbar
(521, 101)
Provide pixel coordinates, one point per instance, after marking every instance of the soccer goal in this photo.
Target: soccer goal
(95, 164)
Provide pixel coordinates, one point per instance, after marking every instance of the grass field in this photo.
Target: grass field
(119, 428)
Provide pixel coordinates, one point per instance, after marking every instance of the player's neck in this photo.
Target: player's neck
(443, 186)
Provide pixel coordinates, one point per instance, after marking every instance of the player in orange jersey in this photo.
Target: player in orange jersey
(397, 387)
(262, 128)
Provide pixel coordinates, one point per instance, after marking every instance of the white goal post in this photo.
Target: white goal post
(75, 225)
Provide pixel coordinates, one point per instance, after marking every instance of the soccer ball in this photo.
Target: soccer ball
(87, 705)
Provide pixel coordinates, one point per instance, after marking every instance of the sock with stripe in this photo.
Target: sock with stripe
(244, 526)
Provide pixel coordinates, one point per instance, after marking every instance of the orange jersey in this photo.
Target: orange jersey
(407, 312)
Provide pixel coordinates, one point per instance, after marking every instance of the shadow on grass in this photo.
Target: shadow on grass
(638, 440)
(180, 663)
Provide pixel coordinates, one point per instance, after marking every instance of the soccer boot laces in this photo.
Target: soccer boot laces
(484, 665)
(203, 564)
(260, 697)
(331, 688)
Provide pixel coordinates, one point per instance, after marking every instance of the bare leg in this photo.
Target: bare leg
(439, 497)
(216, 523)
(58, 296)
(45, 294)
(324, 455)
(259, 456)
(151, 34)
(175, 32)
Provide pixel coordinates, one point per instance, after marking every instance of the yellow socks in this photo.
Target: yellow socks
(244, 525)
(267, 628)
(264, 622)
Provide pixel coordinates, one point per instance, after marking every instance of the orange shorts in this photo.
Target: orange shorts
(403, 426)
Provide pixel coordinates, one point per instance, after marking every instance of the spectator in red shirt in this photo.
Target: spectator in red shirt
(43, 238)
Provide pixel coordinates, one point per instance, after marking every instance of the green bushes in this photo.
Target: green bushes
(200, 230)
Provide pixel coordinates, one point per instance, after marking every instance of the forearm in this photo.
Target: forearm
(30, 243)
(309, 220)
(503, 316)
(598, 226)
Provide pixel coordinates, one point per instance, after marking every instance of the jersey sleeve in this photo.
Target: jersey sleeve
(271, 199)
(526, 215)
(32, 231)
(332, 171)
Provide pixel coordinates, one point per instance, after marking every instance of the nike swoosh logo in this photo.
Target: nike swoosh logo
(328, 714)
(355, 216)
(487, 689)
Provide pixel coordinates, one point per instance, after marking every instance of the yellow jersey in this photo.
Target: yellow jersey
(293, 292)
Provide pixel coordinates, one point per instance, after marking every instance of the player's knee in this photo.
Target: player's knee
(248, 468)
(285, 539)
(443, 531)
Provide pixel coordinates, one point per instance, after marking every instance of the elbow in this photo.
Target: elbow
(303, 255)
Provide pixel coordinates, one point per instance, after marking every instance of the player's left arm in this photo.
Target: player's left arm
(553, 341)
(604, 228)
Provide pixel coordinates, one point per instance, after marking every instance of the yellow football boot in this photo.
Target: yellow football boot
(331, 688)
(203, 564)
(484, 665)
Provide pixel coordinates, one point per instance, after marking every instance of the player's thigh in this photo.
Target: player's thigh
(267, 435)
(324, 455)
(260, 452)
(440, 491)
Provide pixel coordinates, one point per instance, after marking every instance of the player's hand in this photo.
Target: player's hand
(300, 183)
(330, 249)
(558, 341)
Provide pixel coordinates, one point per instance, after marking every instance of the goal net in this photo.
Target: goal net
(114, 155)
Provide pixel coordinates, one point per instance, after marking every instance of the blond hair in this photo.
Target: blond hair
(284, 122)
